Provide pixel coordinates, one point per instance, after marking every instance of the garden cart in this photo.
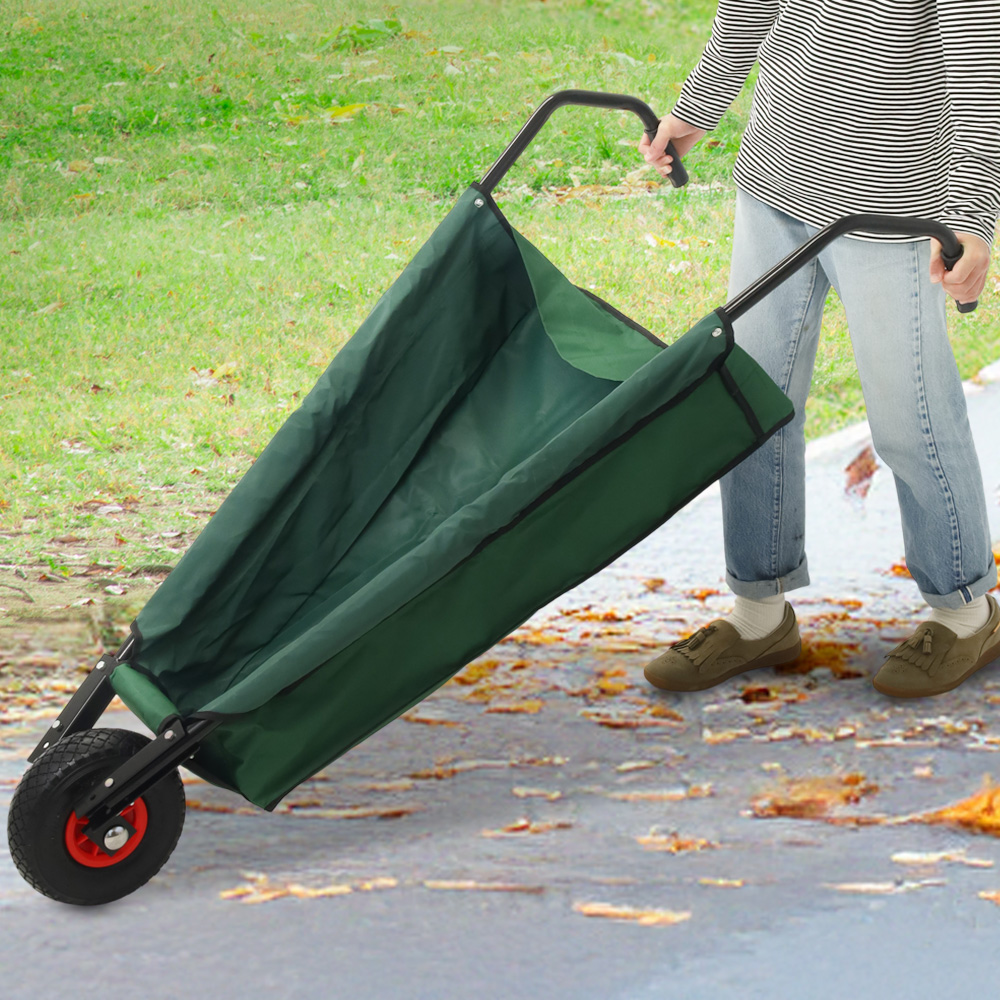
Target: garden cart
(491, 436)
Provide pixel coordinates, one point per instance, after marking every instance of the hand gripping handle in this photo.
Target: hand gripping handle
(587, 98)
(950, 260)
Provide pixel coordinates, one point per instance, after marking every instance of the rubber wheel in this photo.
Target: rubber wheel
(45, 835)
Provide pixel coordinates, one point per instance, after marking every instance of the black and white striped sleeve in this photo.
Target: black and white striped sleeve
(970, 38)
(738, 29)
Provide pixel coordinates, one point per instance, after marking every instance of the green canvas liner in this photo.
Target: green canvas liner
(490, 437)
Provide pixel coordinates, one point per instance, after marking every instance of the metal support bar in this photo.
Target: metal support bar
(587, 98)
(951, 251)
(86, 706)
(138, 774)
(88, 703)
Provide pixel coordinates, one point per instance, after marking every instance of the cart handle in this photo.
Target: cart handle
(951, 251)
(587, 98)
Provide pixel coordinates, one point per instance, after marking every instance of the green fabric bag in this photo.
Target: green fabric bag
(490, 437)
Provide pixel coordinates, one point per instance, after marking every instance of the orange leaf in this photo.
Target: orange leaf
(531, 707)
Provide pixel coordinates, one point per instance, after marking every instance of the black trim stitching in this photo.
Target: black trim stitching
(734, 390)
(628, 321)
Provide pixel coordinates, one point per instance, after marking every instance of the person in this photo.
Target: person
(859, 106)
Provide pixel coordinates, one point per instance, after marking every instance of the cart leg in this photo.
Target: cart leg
(84, 709)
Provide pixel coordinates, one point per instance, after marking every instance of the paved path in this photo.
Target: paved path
(552, 803)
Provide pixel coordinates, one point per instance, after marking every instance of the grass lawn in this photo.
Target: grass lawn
(199, 204)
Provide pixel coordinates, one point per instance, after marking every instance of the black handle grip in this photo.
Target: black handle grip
(893, 225)
(950, 260)
(678, 173)
(586, 98)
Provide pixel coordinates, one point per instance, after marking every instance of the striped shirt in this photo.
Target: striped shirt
(861, 106)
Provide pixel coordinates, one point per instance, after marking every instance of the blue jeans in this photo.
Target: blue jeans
(913, 394)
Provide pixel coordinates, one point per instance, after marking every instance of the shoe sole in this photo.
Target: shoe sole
(779, 658)
(984, 660)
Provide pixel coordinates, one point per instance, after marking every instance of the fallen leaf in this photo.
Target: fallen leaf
(883, 888)
(636, 765)
(524, 825)
(662, 712)
(401, 785)
(428, 720)
(359, 812)
(536, 793)
(860, 472)
(531, 707)
(469, 884)
(670, 795)
(703, 594)
(475, 672)
(812, 798)
(303, 892)
(646, 918)
(979, 812)
(936, 857)
(382, 882)
(673, 843)
(714, 737)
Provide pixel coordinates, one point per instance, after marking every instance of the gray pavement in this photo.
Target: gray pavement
(550, 802)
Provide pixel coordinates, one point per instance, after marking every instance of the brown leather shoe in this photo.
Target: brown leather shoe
(934, 660)
(717, 652)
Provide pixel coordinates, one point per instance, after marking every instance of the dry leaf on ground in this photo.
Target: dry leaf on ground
(883, 888)
(531, 707)
(536, 793)
(812, 798)
(673, 843)
(470, 884)
(936, 857)
(646, 918)
(358, 812)
(979, 812)
(524, 825)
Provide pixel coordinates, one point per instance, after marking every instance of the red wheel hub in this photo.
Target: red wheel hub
(84, 851)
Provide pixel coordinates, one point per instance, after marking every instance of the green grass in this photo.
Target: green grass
(199, 204)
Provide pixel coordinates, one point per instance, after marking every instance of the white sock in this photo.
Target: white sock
(754, 619)
(963, 621)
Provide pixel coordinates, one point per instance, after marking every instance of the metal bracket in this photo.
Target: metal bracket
(137, 775)
(86, 706)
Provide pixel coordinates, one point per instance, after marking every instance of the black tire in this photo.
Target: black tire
(43, 802)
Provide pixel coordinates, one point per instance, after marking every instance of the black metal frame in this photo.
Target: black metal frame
(951, 251)
(172, 746)
(586, 98)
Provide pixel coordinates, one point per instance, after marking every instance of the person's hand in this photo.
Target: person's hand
(966, 280)
(671, 129)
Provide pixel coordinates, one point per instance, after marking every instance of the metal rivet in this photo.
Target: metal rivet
(115, 837)
(45, 746)
(100, 666)
(109, 782)
(716, 333)
(169, 734)
(479, 203)
(56, 724)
